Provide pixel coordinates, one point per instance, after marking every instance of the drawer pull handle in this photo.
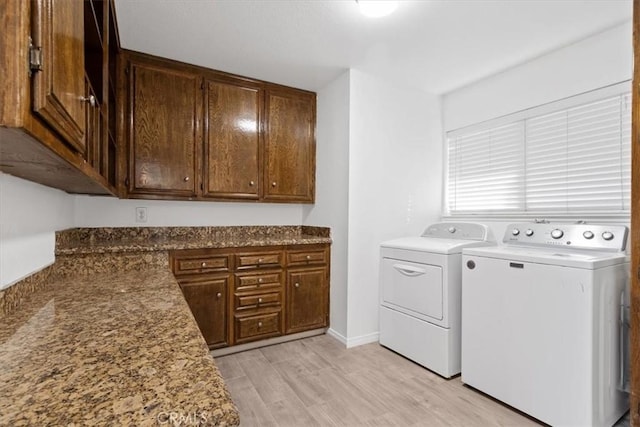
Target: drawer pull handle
(297, 285)
(308, 257)
(204, 264)
(259, 324)
(259, 300)
(219, 294)
(260, 260)
(260, 280)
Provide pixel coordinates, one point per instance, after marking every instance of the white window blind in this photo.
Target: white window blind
(572, 157)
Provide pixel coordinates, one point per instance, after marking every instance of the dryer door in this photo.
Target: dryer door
(413, 288)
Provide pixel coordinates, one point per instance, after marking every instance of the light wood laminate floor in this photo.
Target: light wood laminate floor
(318, 382)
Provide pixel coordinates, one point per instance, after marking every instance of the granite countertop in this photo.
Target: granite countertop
(119, 240)
(109, 349)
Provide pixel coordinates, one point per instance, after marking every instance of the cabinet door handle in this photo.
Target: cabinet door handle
(273, 184)
(186, 179)
(219, 295)
(297, 285)
(91, 100)
(251, 183)
(259, 324)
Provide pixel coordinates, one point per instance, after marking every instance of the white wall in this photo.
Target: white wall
(111, 212)
(332, 190)
(395, 175)
(29, 216)
(594, 62)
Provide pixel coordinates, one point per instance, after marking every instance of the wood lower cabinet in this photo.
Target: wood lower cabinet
(208, 299)
(306, 299)
(241, 295)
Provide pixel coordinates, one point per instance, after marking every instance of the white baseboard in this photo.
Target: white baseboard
(355, 341)
(363, 339)
(333, 334)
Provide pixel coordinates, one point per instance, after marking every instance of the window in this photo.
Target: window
(567, 158)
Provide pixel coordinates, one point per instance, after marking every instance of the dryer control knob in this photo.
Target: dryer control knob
(452, 229)
(607, 235)
(557, 233)
(529, 232)
(588, 235)
(515, 231)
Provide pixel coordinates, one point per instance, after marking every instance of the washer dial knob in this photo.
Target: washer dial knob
(588, 235)
(515, 231)
(557, 233)
(607, 235)
(452, 229)
(529, 232)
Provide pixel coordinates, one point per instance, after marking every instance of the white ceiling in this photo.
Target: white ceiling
(435, 45)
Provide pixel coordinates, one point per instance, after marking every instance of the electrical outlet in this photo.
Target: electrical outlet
(141, 214)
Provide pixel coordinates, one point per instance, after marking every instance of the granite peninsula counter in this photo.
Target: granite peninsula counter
(110, 339)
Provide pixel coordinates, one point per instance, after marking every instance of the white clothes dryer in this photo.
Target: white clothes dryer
(420, 287)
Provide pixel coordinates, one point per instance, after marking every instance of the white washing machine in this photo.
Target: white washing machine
(541, 321)
(420, 289)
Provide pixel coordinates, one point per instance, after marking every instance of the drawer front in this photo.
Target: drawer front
(254, 301)
(203, 264)
(258, 282)
(259, 260)
(250, 328)
(307, 257)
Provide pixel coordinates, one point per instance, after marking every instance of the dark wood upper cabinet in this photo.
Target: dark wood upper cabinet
(53, 105)
(231, 139)
(59, 88)
(164, 133)
(195, 133)
(289, 145)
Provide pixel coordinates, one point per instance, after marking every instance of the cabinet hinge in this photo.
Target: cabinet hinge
(202, 85)
(126, 182)
(201, 186)
(35, 57)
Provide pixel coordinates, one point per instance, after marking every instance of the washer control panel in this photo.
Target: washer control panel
(457, 230)
(578, 236)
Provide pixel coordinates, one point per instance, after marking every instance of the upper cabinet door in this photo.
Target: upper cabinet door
(59, 89)
(289, 145)
(231, 139)
(165, 105)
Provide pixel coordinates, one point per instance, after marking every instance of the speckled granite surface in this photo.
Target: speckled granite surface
(12, 297)
(109, 349)
(139, 239)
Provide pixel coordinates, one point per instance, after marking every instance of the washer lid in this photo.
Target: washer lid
(578, 259)
(433, 245)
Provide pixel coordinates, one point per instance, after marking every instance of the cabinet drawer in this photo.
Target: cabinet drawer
(245, 302)
(259, 259)
(249, 328)
(203, 264)
(307, 257)
(258, 282)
